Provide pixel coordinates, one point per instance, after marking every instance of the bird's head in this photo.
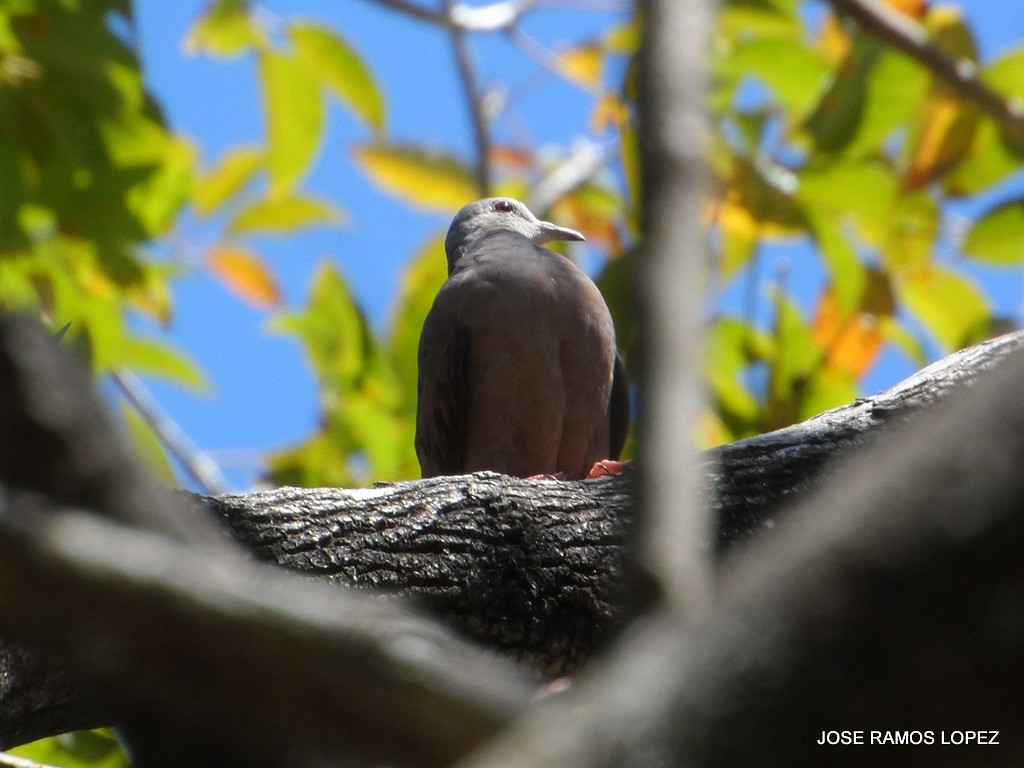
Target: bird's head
(499, 214)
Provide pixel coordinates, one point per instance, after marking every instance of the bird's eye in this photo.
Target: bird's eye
(504, 206)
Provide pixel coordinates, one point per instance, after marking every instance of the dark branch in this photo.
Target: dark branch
(902, 33)
(475, 103)
(534, 569)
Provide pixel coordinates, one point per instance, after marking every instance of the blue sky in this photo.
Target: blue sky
(263, 397)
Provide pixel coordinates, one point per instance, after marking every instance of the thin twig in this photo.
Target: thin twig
(583, 163)
(196, 462)
(474, 99)
(906, 35)
(546, 59)
(414, 10)
(495, 17)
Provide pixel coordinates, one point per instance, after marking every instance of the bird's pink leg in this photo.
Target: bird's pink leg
(608, 467)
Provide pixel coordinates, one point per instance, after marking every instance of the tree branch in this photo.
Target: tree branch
(209, 639)
(474, 100)
(197, 463)
(495, 17)
(890, 600)
(531, 568)
(677, 42)
(902, 33)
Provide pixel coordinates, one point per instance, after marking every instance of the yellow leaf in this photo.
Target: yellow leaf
(944, 136)
(950, 32)
(225, 29)
(833, 40)
(753, 207)
(609, 112)
(583, 65)
(284, 215)
(233, 172)
(244, 274)
(427, 180)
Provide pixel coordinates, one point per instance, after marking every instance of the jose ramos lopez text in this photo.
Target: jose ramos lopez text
(913, 738)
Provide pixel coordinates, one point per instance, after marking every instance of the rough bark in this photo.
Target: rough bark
(534, 569)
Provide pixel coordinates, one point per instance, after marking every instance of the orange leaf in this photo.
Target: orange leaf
(595, 227)
(852, 343)
(245, 275)
(915, 9)
(834, 41)
(610, 111)
(509, 156)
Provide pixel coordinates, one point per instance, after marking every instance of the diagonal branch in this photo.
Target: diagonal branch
(904, 34)
(196, 462)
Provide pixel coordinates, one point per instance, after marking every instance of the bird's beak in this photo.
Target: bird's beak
(548, 233)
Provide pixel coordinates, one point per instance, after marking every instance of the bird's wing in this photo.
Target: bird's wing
(618, 410)
(440, 405)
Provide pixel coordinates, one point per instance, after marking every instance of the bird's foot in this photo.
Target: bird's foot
(607, 467)
(555, 476)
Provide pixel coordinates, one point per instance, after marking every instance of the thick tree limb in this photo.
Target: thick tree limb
(892, 601)
(153, 625)
(532, 568)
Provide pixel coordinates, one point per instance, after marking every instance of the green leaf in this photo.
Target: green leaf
(759, 18)
(726, 357)
(235, 169)
(82, 749)
(148, 446)
(1006, 74)
(284, 215)
(421, 280)
(630, 148)
(796, 353)
(849, 277)
(226, 30)
(158, 359)
(998, 236)
(295, 116)
(157, 200)
(994, 154)
(912, 225)
(875, 91)
(795, 72)
(825, 389)
(947, 304)
(991, 158)
(903, 339)
(342, 70)
(427, 180)
(368, 418)
(859, 190)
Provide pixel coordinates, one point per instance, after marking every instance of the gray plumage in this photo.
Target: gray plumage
(518, 370)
